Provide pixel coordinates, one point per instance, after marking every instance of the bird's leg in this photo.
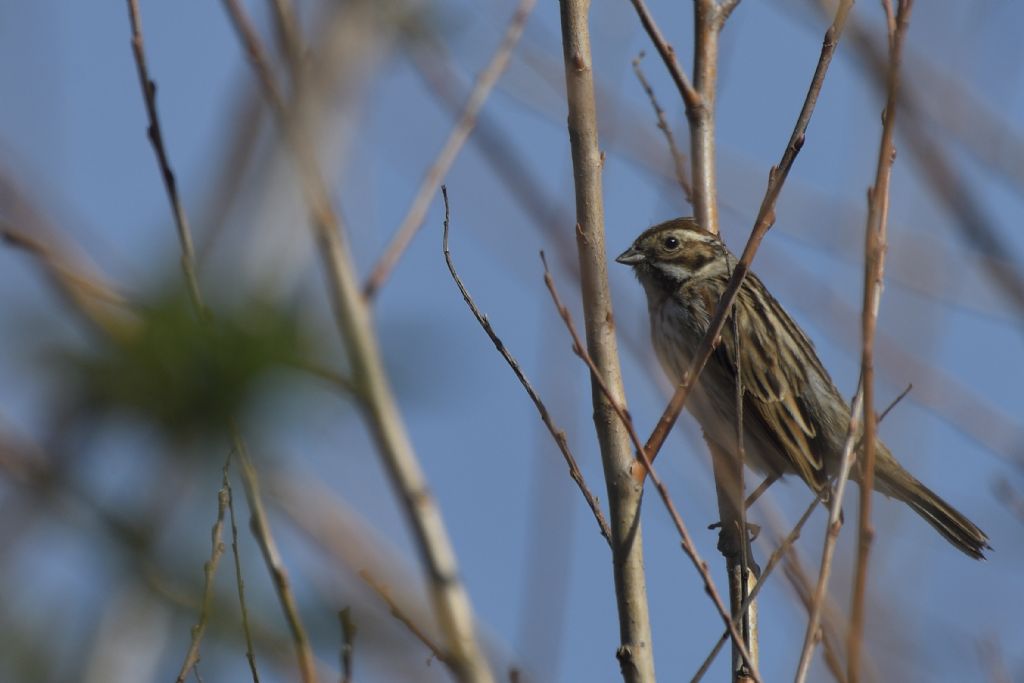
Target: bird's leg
(753, 529)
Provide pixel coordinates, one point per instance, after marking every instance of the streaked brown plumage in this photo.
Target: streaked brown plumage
(794, 419)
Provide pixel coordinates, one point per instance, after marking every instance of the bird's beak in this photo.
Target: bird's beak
(631, 257)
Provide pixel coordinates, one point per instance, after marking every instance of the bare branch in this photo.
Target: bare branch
(87, 293)
(557, 434)
(250, 654)
(451, 603)
(635, 652)
(289, 36)
(413, 220)
(773, 561)
(209, 571)
(691, 98)
(874, 268)
(895, 402)
(407, 621)
(260, 526)
(678, 158)
(835, 521)
(829, 620)
(156, 138)
(702, 119)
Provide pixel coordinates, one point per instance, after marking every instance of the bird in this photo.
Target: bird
(794, 420)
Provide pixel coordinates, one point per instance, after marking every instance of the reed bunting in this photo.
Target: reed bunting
(794, 419)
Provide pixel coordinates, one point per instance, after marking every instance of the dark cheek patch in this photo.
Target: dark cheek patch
(697, 260)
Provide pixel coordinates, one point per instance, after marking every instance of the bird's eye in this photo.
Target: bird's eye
(671, 243)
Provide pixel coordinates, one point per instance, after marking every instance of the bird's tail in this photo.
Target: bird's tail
(894, 481)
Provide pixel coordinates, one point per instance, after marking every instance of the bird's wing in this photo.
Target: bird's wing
(773, 367)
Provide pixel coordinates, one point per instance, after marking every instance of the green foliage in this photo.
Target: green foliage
(186, 375)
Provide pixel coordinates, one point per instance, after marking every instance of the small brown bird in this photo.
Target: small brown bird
(794, 419)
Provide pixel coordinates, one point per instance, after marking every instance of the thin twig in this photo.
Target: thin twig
(260, 526)
(635, 653)
(828, 631)
(557, 434)
(690, 96)
(209, 571)
(761, 488)
(773, 561)
(485, 83)
(874, 256)
(835, 521)
(156, 138)
(396, 611)
(348, 639)
(895, 402)
(250, 654)
(678, 158)
(451, 603)
(686, 541)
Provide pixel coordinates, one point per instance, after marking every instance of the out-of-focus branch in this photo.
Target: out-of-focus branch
(420, 634)
(352, 316)
(1010, 498)
(678, 159)
(260, 525)
(289, 37)
(250, 653)
(635, 652)
(272, 557)
(485, 83)
(874, 269)
(948, 182)
(156, 138)
(835, 522)
(557, 434)
(348, 639)
(830, 618)
(209, 571)
(87, 294)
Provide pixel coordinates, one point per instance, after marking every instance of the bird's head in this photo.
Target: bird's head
(674, 252)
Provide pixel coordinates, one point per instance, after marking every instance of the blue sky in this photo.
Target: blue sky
(72, 133)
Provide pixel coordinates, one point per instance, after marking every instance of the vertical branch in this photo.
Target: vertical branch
(706, 26)
(624, 492)
(734, 542)
(250, 654)
(261, 528)
(835, 522)
(156, 138)
(874, 265)
(451, 603)
(272, 556)
(209, 570)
